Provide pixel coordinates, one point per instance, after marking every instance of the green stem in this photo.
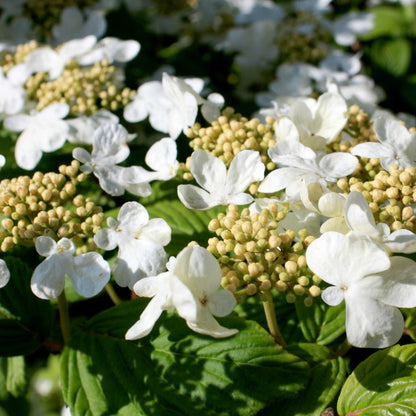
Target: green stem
(270, 313)
(64, 317)
(112, 293)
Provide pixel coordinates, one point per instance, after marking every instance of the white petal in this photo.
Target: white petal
(107, 239)
(147, 319)
(209, 171)
(333, 295)
(207, 325)
(157, 230)
(221, 302)
(81, 154)
(4, 273)
(45, 245)
(279, 179)
(401, 241)
(195, 198)
(132, 217)
(56, 111)
(395, 286)
(245, 168)
(332, 204)
(370, 150)
(136, 111)
(371, 324)
(358, 215)
(338, 164)
(48, 279)
(198, 269)
(341, 259)
(17, 123)
(184, 300)
(161, 154)
(91, 274)
(150, 286)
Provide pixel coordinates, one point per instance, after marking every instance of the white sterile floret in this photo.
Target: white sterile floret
(4, 273)
(88, 272)
(191, 286)
(346, 28)
(109, 149)
(359, 218)
(111, 49)
(396, 145)
(140, 242)
(300, 163)
(319, 121)
(43, 131)
(219, 186)
(73, 25)
(172, 105)
(12, 97)
(51, 61)
(372, 284)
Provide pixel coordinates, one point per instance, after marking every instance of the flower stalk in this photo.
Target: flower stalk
(270, 313)
(64, 317)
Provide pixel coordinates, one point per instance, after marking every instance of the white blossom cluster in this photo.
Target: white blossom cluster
(351, 252)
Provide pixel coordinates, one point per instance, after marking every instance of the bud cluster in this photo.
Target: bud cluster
(47, 204)
(85, 89)
(230, 134)
(256, 256)
(391, 195)
(9, 60)
(295, 46)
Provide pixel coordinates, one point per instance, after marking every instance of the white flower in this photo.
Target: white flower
(301, 163)
(397, 146)
(172, 105)
(43, 131)
(46, 59)
(12, 96)
(88, 272)
(192, 286)
(73, 25)
(82, 128)
(219, 186)
(109, 149)
(346, 27)
(110, 49)
(140, 242)
(372, 284)
(359, 218)
(319, 121)
(4, 273)
(2, 161)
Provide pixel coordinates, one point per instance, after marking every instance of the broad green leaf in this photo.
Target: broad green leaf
(16, 379)
(392, 55)
(388, 21)
(319, 322)
(328, 376)
(175, 371)
(25, 320)
(383, 384)
(187, 225)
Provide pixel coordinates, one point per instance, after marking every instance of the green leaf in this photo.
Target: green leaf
(319, 322)
(16, 378)
(383, 384)
(388, 21)
(187, 225)
(392, 56)
(328, 376)
(25, 320)
(175, 371)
